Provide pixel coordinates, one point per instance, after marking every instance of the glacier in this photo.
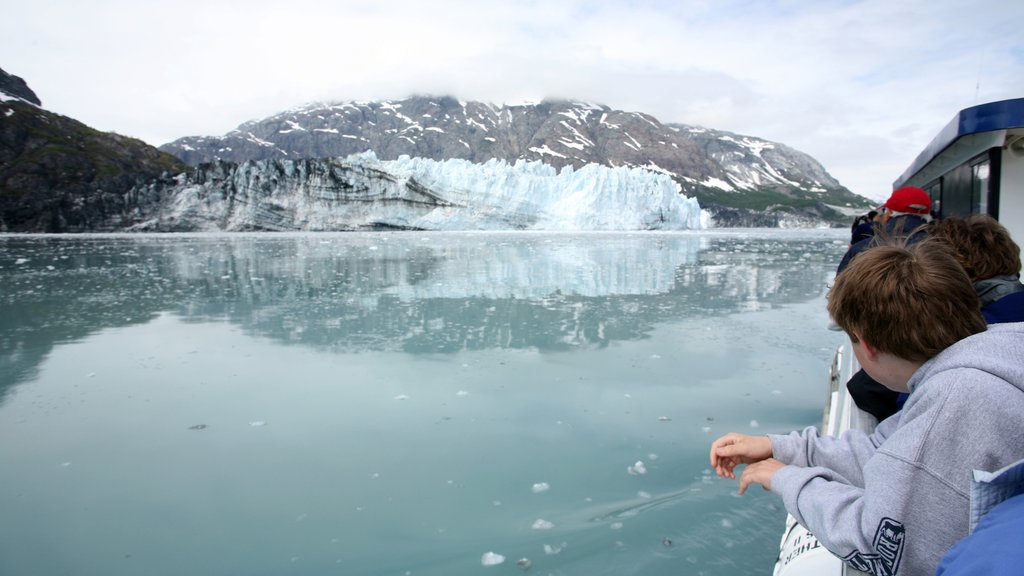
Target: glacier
(362, 192)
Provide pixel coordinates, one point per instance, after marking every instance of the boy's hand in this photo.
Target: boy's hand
(733, 449)
(760, 473)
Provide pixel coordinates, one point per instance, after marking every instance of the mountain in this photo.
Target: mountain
(16, 87)
(433, 163)
(742, 180)
(59, 175)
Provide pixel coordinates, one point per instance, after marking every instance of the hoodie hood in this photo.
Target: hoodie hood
(992, 289)
(998, 351)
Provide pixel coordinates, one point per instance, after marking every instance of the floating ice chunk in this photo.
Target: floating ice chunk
(754, 424)
(65, 464)
(726, 523)
(542, 524)
(462, 393)
(401, 397)
(655, 356)
(257, 423)
(777, 392)
(637, 469)
(652, 456)
(90, 375)
(664, 419)
(552, 550)
(541, 487)
(615, 525)
(21, 260)
(706, 429)
(492, 559)
(524, 563)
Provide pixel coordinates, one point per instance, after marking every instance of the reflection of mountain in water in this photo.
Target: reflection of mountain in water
(424, 293)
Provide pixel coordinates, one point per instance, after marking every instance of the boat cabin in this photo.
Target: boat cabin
(976, 165)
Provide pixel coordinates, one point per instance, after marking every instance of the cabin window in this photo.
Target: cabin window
(979, 187)
(964, 190)
(934, 189)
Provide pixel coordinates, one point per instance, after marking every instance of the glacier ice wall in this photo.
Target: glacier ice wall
(361, 192)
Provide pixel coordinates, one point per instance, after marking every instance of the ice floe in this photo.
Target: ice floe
(491, 559)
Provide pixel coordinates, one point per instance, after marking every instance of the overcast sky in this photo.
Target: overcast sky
(862, 86)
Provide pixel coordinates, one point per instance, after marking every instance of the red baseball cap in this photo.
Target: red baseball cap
(909, 200)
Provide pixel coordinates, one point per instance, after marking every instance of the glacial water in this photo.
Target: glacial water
(428, 404)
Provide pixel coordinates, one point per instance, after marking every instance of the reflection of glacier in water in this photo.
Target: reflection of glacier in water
(399, 403)
(416, 291)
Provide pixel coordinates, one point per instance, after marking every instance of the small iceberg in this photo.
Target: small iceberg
(492, 559)
(637, 469)
(542, 524)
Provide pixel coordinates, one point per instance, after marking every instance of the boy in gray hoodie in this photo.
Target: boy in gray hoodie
(894, 501)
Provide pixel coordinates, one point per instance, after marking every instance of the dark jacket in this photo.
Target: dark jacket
(910, 226)
(863, 231)
(1002, 299)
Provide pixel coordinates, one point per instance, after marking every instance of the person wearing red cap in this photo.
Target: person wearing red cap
(904, 215)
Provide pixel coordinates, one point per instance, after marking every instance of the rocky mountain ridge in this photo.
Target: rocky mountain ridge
(730, 174)
(59, 175)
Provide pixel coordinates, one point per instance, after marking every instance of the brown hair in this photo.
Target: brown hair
(981, 244)
(909, 301)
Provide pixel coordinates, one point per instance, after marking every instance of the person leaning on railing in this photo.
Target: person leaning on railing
(894, 501)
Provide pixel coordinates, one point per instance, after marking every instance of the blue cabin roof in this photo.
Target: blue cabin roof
(989, 117)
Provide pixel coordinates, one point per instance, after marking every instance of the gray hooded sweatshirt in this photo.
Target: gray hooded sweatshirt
(894, 501)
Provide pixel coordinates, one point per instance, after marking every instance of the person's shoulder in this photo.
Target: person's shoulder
(998, 339)
(977, 361)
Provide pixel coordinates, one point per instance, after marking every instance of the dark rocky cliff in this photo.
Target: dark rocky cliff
(59, 175)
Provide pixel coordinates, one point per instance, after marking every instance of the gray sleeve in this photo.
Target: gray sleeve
(846, 455)
(868, 525)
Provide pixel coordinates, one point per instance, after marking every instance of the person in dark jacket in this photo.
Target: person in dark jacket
(864, 227)
(905, 214)
(991, 258)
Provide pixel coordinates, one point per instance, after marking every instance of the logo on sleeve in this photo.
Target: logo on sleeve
(888, 550)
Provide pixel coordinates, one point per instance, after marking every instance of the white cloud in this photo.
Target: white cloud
(862, 86)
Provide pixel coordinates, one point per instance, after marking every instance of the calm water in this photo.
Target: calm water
(400, 403)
